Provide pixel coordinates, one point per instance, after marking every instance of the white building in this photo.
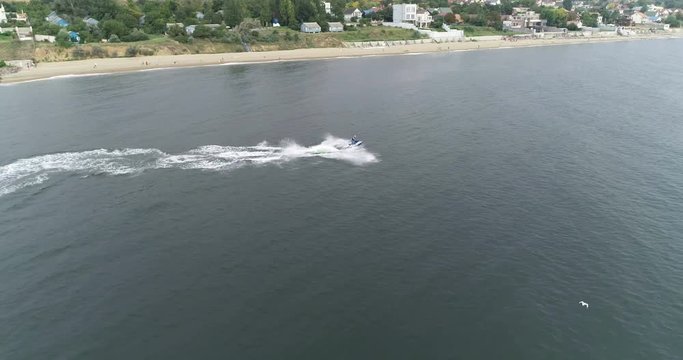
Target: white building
(405, 13)
(547, 3)
(352, 13)
(328, 7)
(638, 18)
(21, 16)
(578, 23)
(310, 27)
(47, 38)
(423, 18)
(3, 14)
(336, 27)
(24, 33)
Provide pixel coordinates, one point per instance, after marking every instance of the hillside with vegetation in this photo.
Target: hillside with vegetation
(115, 28)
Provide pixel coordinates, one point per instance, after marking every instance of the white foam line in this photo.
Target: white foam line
(36, 170)
(115, 72)
(57, 77)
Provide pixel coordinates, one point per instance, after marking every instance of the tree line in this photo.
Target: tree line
(133, 20)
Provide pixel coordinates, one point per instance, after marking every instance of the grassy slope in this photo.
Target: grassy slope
(16, 50)
(479, 30)
(378, 33)
(271, 39)
(268, 40)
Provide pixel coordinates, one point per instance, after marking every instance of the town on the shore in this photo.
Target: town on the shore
(149, 27)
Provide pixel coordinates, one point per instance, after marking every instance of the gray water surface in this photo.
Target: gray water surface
(205, 213)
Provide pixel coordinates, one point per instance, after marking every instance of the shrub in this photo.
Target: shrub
(175, 31)
(136, 35)
(673, 21)
(230, 38)
(131, 51)
(146, 51)
(218, 33)
(2, 63)
(114, 39)
(98, 52)
(572, 27)
(114, 27)
(79, 53)
(272, 37)
(478, 21)
(202, 31)
(183, 39)
(63, 39)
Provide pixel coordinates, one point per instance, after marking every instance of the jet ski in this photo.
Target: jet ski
(355, 141)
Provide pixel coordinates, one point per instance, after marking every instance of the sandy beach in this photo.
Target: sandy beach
(115, 65)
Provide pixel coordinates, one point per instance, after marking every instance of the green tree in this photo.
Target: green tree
(590, 20)
(643, 3)
(338, 7)
(202, 32)
(246, 27)
(506, 7)
(673, 21)
(63, 38)
(306, 10)
(77, 25)
(265, 13)
(136, 35)
(287, 12)
(127, 19)
(234, 12)
(555, 17)
(114, 27)
(157, 14)
(385, 15)
(609, 16)
(567, 4)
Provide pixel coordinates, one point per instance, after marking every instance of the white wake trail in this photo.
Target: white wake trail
(36, 170)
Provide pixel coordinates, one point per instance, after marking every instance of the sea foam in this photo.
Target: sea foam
(36, 170)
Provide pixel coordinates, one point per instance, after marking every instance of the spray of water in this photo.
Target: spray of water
(36, 170)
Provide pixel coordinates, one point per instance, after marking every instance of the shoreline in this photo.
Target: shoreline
(108, 66)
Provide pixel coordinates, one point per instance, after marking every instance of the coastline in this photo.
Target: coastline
(92, 67)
